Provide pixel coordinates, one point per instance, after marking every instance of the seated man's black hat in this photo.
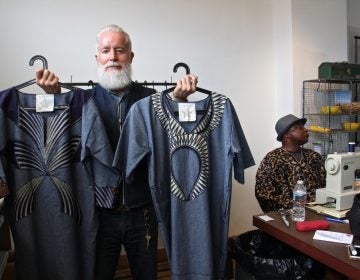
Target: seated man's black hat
(285, 123)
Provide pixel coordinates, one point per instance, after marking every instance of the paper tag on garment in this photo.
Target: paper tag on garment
(44, 102)
(333, 236)
(187, 112)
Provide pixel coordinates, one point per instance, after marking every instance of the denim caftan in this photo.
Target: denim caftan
(190, 176)
(52, 163)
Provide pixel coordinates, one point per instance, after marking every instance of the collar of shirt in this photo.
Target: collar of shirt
(122, 95)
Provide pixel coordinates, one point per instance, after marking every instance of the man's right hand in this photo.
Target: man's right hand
(48, 81)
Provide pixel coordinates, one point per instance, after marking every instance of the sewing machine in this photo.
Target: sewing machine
(342, 180)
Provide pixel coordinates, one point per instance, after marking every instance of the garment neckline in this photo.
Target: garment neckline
(201, 124)
(27, 101)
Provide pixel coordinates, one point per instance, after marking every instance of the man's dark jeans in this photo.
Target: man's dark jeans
(127, 229)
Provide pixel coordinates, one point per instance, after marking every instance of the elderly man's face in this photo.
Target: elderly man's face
(114, 60)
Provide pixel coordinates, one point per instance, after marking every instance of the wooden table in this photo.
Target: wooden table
(331, 254)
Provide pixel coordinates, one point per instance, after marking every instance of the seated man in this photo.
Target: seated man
(279, 171)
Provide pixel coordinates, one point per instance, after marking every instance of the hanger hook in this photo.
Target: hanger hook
(39, 57)
(181, 64)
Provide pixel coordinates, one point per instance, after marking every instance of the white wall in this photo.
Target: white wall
(320, 35)
(257, 52)
(353, 30)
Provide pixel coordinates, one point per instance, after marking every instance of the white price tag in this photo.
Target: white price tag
(187, 112)
(44, 103)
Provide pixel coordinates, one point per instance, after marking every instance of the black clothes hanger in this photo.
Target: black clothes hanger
(33, 81)
(187, 71)
(181, 64)
(31, 63)
(39, 57)
(45, 66)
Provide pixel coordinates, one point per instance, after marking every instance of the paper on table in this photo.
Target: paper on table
(333, 236)
(265, 218)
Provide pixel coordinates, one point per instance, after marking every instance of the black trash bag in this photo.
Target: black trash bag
(353, 215)
(268, 258)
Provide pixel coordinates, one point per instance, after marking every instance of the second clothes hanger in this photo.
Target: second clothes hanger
(187, 71)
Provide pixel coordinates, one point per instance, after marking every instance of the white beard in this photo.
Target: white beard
(114, 79)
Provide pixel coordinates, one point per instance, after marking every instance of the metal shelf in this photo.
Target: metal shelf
(319, 93)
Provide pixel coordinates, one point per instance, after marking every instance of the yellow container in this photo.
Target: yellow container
(330, 110)
(319, 129)
(351, 126)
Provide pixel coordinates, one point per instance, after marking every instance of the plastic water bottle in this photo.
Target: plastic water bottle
(299, 201)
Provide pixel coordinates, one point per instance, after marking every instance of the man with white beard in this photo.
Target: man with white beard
(131, 222)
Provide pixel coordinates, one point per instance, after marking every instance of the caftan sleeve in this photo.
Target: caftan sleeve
(242, 157)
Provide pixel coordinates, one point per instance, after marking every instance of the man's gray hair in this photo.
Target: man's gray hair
(117, 29)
